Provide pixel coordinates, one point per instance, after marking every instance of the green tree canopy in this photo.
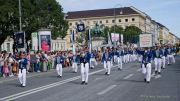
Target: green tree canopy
(36, 14)
(131, 34)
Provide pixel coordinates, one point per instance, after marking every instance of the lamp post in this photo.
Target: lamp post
(20, 15)
(121, 12)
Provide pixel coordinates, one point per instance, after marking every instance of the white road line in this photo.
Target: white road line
(128, 76)
(38, 89)
(106, 90)
(158, 76)
(138, 70)
(29, 76)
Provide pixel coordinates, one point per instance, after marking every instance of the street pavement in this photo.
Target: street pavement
(125, 85)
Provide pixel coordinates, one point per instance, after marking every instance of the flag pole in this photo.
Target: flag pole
(73, 48)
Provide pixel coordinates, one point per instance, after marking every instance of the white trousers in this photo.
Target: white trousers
(140, 58)
(115, 58)
(163, 61)
(120, 62)
(93, 62)
(75, 66)
(107, 66)
(22, 76)
(170, 59)
(147, 71)
(59, 69)
(126, 58)
(85, 72)
(157, 63)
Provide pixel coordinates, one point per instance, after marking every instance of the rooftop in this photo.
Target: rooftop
(101, 12)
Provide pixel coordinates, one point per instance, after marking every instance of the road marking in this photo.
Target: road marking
(38, 89)
(33, 75)
(98, 78)
(158, 76)
(106, 90)
(128, 76)
(29, 76)
(153, 75)
(138, 70)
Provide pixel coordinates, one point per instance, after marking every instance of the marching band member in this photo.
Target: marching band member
(120, 57)
(74, 63)
(59, 60)
(106, 59)
(23, 61)
(85, 60)
(146, 64)
(92, 60)
(163, 51)
(157, 59)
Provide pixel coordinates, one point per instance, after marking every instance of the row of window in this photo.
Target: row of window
(107, 21)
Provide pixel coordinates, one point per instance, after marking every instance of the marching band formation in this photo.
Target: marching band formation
(158, 57)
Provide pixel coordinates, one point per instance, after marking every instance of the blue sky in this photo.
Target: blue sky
(167, 12)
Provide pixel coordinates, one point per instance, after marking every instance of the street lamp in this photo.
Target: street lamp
(121, 12)
(20, 24)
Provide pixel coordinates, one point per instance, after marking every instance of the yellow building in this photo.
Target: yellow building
(126, 16)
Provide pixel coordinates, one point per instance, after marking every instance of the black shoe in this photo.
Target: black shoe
(82, 82)
(59, 76)
(119, 69)
(20, 85)
(106, 73)
(156, 72)
(159, 72)
(148, 82)
(144, 80)
(86, 83)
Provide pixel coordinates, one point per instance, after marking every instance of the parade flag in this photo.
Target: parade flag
(20, 39)
(72, 37)
(80, 27)
(145, 40)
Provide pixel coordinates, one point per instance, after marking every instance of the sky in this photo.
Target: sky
(166, 12)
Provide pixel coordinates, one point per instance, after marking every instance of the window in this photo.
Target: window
(8, 47)
(106, 21)
(94, 22)
(119, 20)
(70, 32)
(100, 22)
(113, 21)
(70, 24)
(133, 19)
(126, 20)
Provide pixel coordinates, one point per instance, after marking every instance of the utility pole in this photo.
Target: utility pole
(20, 15)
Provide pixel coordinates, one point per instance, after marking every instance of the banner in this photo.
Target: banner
(80, 27)
(121, 39)
(34, 38)
(145, 40)
(45, 42)
(114, 37)
(20, 39)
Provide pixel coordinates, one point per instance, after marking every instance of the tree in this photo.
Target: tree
(131, 34)
(8, 18)
(36, 14)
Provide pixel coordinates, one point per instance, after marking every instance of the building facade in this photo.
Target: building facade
(126, 16)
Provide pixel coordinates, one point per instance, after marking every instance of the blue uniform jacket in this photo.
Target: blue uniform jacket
(85, 58)
(75, 58)
(108, 58)
(147, 56)
(23, 63)
(157, 54)
(59, 59)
